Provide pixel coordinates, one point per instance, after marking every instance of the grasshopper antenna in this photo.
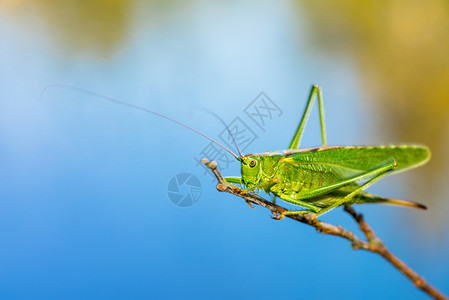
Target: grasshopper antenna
(44, 91)
(226, 126)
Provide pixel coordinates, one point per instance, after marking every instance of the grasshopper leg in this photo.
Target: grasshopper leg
(250, 204)
(310, 207)
(382, 171)
(290, 212)
(316, 91)
(237, 180)
(261, 185)
(386, 167)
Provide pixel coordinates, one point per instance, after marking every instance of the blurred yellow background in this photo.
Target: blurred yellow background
(401, 51)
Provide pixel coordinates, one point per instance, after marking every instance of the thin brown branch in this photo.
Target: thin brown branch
(372, 243)
(419, 282)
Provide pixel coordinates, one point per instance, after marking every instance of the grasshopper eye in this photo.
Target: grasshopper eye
(252, 163)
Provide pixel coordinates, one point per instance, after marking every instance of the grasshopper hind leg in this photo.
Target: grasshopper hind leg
(379, 174)
(237, 180)
(314, 93)
(308, 208)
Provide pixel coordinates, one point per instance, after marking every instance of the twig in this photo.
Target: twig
(372, 243)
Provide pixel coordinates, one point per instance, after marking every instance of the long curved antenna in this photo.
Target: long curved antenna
(134, 106)
(226, 126)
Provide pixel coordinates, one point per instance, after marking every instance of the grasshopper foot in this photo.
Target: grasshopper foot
(278, 216)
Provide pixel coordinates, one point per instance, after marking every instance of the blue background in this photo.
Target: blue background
(84, 212)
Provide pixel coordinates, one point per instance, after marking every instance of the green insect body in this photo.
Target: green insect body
(322, 178)
(317, 179)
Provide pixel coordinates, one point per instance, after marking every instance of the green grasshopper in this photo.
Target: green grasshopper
(317, 179)
(322, 178)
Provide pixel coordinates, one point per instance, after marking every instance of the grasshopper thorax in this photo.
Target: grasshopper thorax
(251, 169)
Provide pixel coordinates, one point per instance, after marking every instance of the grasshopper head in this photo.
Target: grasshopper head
(251, 167)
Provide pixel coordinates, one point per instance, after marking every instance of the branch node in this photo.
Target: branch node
(221, 187)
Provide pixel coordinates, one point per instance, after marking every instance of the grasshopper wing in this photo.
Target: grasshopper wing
(353, 160)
